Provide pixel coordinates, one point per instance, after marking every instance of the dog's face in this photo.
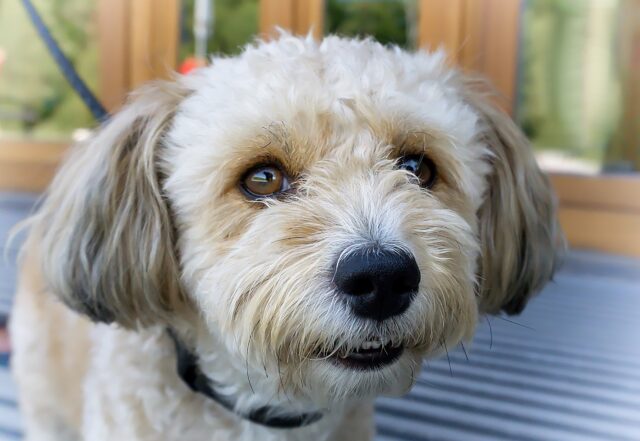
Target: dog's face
(336, 212)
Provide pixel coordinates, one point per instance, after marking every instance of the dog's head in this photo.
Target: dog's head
(338, 210)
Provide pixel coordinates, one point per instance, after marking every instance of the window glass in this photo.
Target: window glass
(36, 102)
(388, 21)
(579, 83)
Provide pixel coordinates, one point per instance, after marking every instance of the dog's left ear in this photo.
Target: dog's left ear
(104, 231)
(519, 234)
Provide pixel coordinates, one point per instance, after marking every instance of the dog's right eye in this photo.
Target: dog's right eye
(265, 181)
(421, 166)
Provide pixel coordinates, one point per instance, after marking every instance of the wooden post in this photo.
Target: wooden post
(113, 38)
(297, 16)
(440, 24)
(309, 16)
(500, 36)
(154, 31)
(479, 35)
(276, 13)
(138, 41)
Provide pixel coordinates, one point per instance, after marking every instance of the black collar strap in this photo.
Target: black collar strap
(190, 373)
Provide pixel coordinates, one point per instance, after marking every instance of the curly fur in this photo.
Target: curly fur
(145, 227)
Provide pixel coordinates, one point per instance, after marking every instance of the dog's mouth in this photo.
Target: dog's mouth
(370, 355)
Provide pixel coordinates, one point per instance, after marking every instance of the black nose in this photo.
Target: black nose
(378, 283)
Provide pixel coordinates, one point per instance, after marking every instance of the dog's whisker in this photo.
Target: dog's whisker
(514, 322)
(284, 390)
(490, 333)
(448, 358)
(247, 357)
(465, 351)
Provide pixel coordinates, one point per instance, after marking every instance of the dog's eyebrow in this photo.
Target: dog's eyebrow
(402, 145)
(421, 137)
(275, 129)
(277, 133)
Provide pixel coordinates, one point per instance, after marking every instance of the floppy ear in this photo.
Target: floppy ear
(104, 231)
(518, 229)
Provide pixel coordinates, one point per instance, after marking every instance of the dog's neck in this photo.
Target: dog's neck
(269, 416)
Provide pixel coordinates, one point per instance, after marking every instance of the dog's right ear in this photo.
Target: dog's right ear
(104, 232)
(518, 227)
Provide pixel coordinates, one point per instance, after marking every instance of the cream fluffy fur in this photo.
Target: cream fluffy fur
(145, 227)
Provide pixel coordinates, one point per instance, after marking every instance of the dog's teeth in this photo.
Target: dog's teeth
(372, 344)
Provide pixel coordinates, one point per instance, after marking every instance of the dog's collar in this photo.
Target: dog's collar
(190, 373)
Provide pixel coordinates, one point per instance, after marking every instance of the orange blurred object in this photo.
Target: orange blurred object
(191, 63)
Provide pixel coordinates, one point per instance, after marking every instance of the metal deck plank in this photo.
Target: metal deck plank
(568, 369)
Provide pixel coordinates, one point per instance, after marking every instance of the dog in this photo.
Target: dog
(259, 249)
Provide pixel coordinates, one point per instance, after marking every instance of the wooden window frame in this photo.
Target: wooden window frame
(29, 166)
(600, 212)
(596, 212)
(138, 41)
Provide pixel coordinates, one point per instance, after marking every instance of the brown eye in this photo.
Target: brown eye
(264, 181)
(421, 166)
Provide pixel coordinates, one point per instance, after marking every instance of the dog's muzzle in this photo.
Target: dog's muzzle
(378, 283)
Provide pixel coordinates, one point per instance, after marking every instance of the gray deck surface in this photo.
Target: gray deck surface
(568, 368)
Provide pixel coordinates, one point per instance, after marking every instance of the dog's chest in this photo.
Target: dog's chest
(136, 395)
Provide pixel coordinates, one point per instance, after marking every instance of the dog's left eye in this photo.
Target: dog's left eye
(264, 181)
(421, 166)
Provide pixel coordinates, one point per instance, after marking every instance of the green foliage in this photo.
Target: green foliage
(384, 20)
(569, 94)
(35, 99)
(235, 24)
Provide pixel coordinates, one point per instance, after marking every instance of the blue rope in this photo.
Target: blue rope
(65, 66)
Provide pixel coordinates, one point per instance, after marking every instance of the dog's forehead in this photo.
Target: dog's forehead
(317, 99)
(346, 81)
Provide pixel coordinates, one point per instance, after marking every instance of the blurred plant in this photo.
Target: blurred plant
(570, 89)
(235, 23)
(623, 151)
(35, 98)
(388, 21)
